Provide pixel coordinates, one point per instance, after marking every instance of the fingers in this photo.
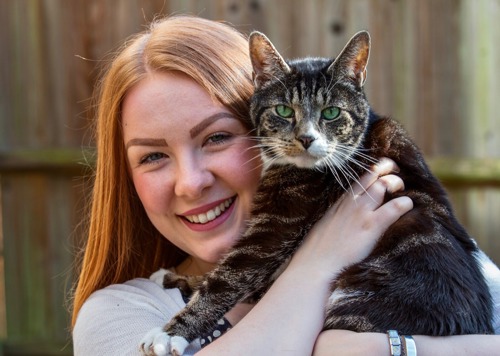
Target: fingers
(391, 211)
(374, 196)
(384, 167)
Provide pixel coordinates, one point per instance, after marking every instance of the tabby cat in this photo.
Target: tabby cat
(318, 134)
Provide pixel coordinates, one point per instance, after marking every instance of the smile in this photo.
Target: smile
(211, 214)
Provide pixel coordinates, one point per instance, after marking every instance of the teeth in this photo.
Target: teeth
(211, 214)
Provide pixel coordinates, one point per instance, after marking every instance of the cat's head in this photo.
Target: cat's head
(309, 112)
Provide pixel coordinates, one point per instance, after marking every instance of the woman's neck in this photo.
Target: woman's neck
(193, 267)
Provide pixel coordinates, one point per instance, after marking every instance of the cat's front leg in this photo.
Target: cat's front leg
(168, 279)
(158, 343)
(201, 313)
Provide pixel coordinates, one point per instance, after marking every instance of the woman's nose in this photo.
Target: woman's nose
(193, 177)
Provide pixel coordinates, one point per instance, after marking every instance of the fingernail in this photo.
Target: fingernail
(387, 165)
(383, 162)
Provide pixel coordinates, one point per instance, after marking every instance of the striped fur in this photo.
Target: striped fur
(422, 276)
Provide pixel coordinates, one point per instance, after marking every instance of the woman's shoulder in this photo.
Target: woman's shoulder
(135, 295)
(114, 319)
(138, 289)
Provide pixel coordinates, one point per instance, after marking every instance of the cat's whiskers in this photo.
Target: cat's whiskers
(334, 166)
(273, 151)
(271, 145)
(267, 154)
(258, 166)
(259, 146)
(370, 159)
(348, 157)
(348, 173)
(268, 161)
(341, 166)
(362, 165)
(351, 156)
(355, 180)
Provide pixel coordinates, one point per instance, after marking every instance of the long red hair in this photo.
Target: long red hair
(122, 243)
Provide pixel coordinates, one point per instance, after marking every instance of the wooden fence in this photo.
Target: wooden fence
(434, 66)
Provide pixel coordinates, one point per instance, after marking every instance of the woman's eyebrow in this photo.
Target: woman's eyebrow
(195, 131)
(146, 142)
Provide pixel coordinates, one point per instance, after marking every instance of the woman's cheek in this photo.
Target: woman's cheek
(152, 190)
(251, 165)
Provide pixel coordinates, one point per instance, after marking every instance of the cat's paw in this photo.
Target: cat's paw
(155, 343)
(177, 345)
(159, 276)
(158, 343)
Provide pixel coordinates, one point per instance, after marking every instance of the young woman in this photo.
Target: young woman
(175, 176)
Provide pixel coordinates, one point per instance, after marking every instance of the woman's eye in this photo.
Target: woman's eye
(284, 111)
(330, 113)
(152, 158)
(218, 138)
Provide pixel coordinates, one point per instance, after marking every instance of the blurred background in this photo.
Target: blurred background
(434, 66)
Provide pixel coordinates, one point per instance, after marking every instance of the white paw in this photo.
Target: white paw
(159, 276)
(155, 342)
(177, 345)
(158, 343)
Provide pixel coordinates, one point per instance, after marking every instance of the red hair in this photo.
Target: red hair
(122, 243)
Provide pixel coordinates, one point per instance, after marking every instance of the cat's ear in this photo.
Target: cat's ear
(353, 59)
(266, 61)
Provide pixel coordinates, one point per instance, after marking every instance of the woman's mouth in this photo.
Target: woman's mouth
(211, 214)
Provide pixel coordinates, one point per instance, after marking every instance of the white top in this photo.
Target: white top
(114, 319)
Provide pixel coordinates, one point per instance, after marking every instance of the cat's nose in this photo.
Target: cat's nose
(306, 140)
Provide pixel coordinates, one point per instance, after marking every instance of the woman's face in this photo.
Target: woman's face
(193, 167)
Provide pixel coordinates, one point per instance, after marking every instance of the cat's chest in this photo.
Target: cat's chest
(308, 188)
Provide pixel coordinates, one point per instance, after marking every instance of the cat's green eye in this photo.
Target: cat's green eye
(284, 111)
(330, 113)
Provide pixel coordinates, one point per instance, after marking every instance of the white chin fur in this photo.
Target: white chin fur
(304, 162)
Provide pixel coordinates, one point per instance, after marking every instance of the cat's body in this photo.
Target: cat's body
(422, 276)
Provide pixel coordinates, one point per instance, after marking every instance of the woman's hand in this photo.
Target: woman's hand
(350, 229)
